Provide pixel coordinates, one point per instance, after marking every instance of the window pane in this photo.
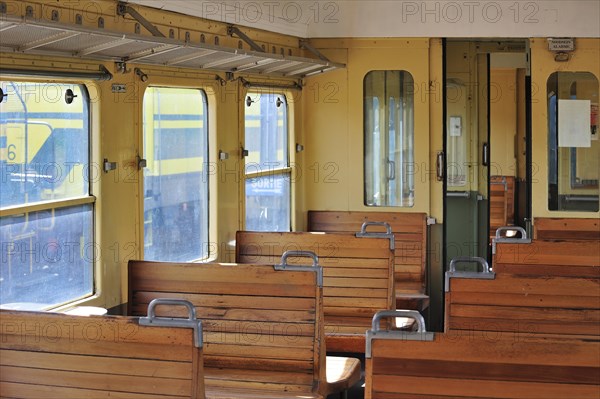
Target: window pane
(573, 145)
(389, 138)
(44, 143)
(175, 184)
(47, 257)
(266, 132)
(268, 203)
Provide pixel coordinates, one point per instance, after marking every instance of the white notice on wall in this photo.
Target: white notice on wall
(574, 123)
(455, 126)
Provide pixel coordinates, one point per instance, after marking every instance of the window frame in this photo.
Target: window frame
(89, 198)
(207, 180)
(559, 186)
(287, 170)
(402, 165)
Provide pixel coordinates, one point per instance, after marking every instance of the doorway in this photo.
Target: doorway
(486, 136)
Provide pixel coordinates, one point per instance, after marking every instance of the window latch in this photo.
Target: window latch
(141, 162)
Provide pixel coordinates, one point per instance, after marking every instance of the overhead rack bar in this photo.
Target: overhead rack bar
(102, 75)
(265, 85)
(34, 36)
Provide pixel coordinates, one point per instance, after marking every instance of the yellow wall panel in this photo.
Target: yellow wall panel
(584, 59)
(333, 126)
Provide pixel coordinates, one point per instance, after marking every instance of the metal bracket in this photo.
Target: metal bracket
(234, 30)
(510, 240)
(388, 232)
(304, 44)
(420, 335)
(124, 9)
(485, 274)
(190, 322)
(121, 67)
(108, 166)
(304, 254)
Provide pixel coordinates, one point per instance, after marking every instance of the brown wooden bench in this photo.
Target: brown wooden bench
(410, 231)
(263, 328)
(358, 276)
(544, 287)
(478, 364)
(566, 229)
(52, 355)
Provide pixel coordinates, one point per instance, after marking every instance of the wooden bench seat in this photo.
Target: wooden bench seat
(566, 229)
(545, 287)
(263, 328)
(479, 364)
(410, 231)
(58, 356)
(357, 282)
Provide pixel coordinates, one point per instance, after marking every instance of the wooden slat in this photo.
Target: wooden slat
(550, 253)
(34, 391)
(566, 229)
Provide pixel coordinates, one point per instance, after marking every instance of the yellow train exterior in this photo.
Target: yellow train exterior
(326, 131)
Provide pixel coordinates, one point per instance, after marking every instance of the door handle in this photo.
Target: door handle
(439, 166)
(486, 155)
(391, 170)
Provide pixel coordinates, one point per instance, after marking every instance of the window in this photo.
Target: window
(176, 219)
(47, 247)
(389, 138)
(573, 145)
(267, 163)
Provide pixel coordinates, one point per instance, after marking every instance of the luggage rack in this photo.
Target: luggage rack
(28, 35)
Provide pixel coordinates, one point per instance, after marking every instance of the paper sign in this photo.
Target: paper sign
(455, 126)
(574, 123)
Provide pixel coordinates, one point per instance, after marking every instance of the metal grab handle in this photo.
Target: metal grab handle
(305, 254)
(191, 322)
(365, 225)
(507, 228)
(170, 302)
(475, 259)
(299, 254)
(385, 314)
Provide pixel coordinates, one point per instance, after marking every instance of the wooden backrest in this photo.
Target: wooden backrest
(51, 355)
(499, 202)
(545, 287)
(410, 231)
(479, 364)
(566, 229)
(263, 328)
(358, 272)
